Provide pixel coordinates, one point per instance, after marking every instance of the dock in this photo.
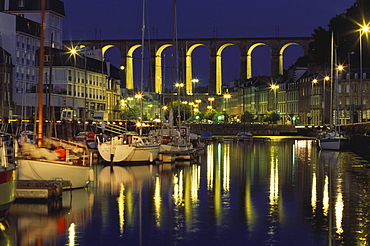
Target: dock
(41, 189)
(172, 156)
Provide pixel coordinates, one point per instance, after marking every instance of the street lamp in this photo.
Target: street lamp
(227, 97)
(194, 81)
(363, 29)
(191, 104)
(350, 89)
(178, 86)
(140, 96)
(314, 81)
(211, 100)
(275, 87)
(73, 52)
(326, 79)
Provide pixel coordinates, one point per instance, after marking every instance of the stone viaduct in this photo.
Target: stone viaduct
(185, 47)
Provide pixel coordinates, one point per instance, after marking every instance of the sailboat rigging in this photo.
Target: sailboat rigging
(40, 163)
(333, 140)
(130, 146)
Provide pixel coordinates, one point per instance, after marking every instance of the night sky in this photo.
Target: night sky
(113, 19)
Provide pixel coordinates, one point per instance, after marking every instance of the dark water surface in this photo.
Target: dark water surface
(281, 192)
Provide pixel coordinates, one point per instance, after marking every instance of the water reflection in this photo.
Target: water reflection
(282, 192)
(44, 223)
(7, 232)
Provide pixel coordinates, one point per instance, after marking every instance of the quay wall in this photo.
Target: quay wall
(255, 129)
(360, 144)
(359, 141)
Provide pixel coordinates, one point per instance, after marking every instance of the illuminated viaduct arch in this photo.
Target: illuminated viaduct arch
(249, 58)
(281, 59)
(277, 46)
(158, 69)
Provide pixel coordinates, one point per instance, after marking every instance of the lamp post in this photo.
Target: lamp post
(211, 100)
(139, 97)
(363, 29)
(191, 104)
(350, 89)
(194, 81)
(314, 81)
(178, 86)
(340, 69)
(73, 51)
(326, 79)
(275, 87)
(227, 97)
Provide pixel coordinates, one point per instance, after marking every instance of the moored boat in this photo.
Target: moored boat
(61, 161)
(332, 141)
(242, 136)
(128, 147)
(8, 182)
(171, 139)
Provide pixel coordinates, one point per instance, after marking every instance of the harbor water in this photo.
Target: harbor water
(279, 192)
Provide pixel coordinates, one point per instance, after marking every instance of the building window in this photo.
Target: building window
(21, 3)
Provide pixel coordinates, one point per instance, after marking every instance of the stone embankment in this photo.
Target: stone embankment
(255, 129)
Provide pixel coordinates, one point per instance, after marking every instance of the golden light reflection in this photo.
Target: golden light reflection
(157, 201)
(249, 208)
(178, 188)
(72, 234)
(217, 188)
(325, 199)
(314, 193)
(121, 208)
(210, 167)
(195, 183)
(2, 226)
(274, 182)
(339, 206)
(226, 171)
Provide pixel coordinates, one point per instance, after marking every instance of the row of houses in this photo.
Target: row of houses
(73, 81)
(304, 98)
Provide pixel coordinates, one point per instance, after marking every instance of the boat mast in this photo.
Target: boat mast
(142, 66)
(41, 72)
(331, 79)
(336, 90)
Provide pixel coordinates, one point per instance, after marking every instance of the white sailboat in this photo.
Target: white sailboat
(171, 139)
(128, 147)
(39, 163)
(334, 139)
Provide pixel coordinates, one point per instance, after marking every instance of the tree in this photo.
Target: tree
(209, 115)
(184, 109)
(247, 117)
(130, 113)
(272, 117)
(345, 28)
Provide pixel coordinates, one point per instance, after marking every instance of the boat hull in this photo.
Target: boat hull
(8, 185)
(79, 176)
(332, 144)
(123, 153)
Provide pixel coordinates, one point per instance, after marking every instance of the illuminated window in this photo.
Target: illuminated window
(20, 3)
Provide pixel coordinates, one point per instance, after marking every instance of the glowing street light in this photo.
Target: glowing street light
(194, 81)
(275, 87)
(363, 29)
(140, 97)
(73, 52)
(314, 81)
(227, 97)
(211, 100)
(179, 86)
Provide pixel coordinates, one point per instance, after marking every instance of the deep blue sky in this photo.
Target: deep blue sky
(122, 19)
